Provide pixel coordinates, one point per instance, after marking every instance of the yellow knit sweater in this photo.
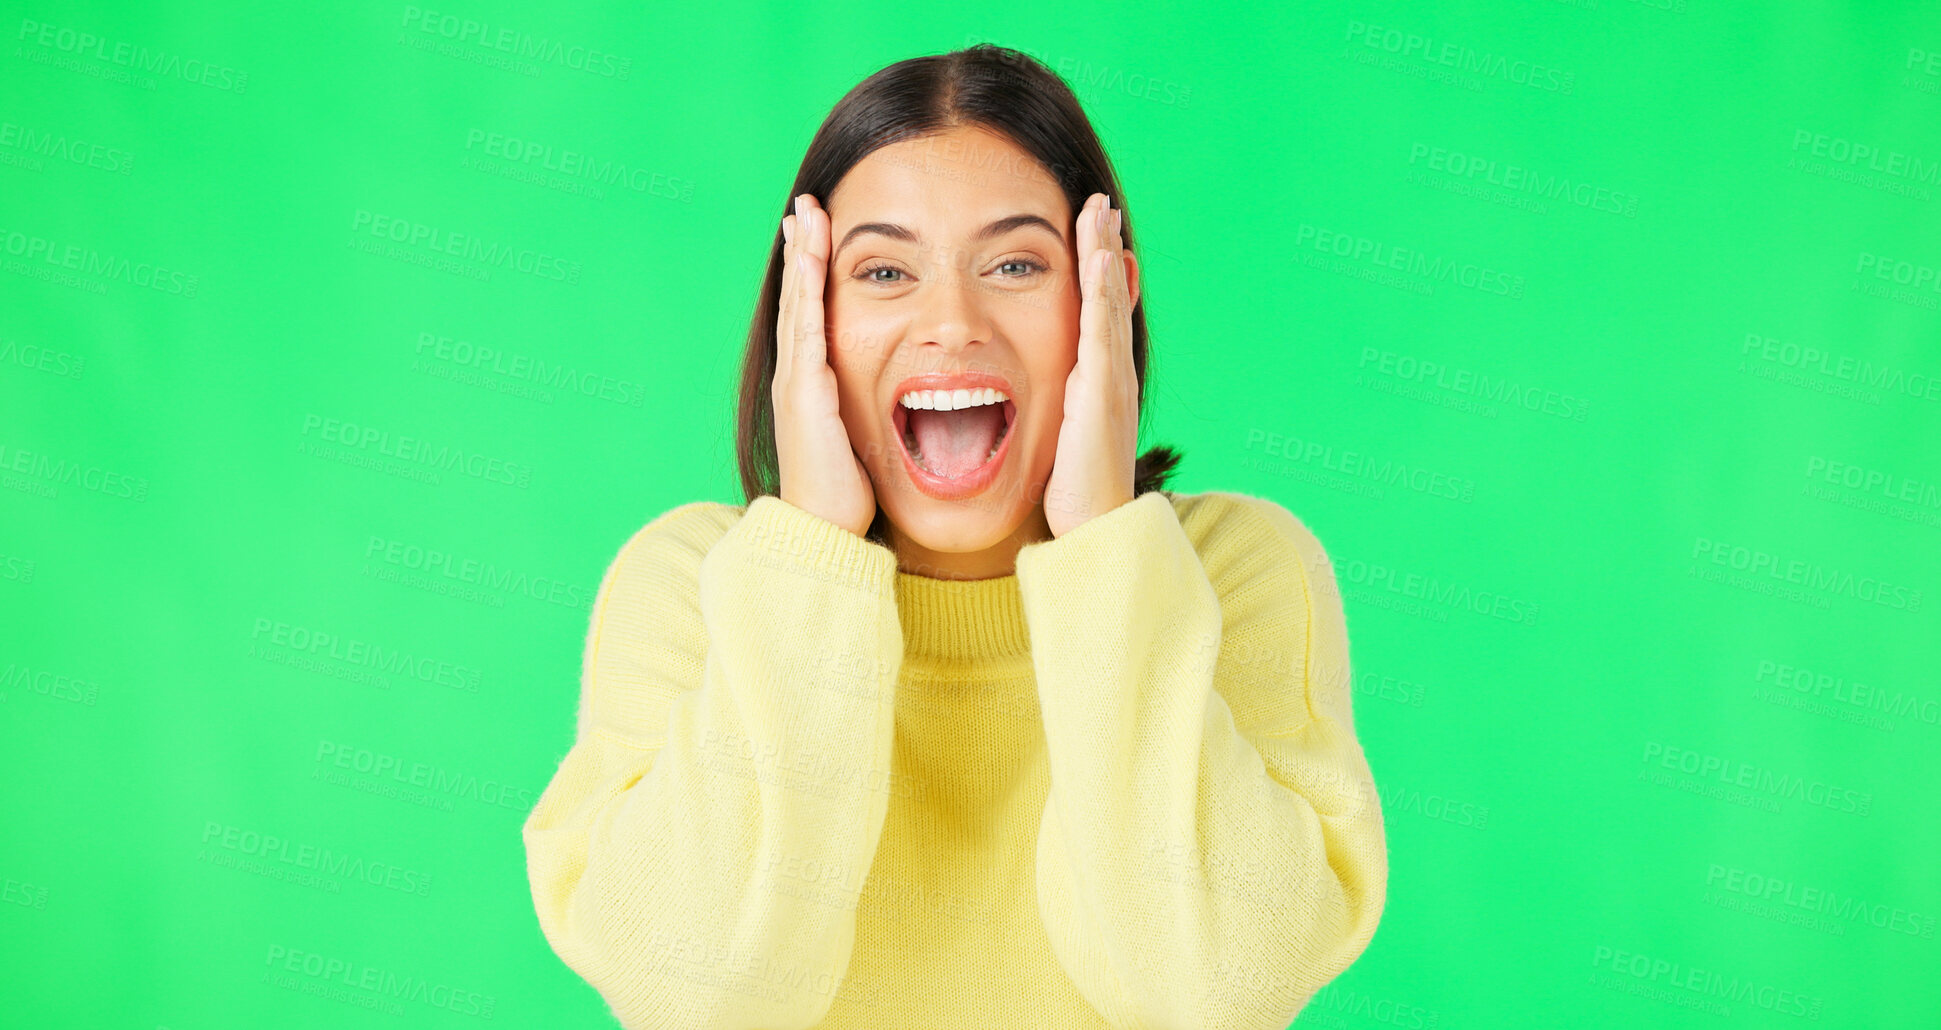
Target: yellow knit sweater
(1118, 788)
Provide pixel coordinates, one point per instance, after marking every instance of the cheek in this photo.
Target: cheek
(857, 370)
(853, 395)
(1047, 365)
(1050, 362)
(1059, 324)
(855, 334)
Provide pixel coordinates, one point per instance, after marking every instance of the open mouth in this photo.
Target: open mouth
(954, 453)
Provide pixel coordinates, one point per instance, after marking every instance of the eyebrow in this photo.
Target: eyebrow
(1004, 225)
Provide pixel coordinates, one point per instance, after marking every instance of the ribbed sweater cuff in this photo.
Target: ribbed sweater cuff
(782, 536)
(1139, 521)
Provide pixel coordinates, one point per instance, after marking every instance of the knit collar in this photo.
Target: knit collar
(961, 621)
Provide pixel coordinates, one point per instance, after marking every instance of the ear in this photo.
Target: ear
(1132, 277)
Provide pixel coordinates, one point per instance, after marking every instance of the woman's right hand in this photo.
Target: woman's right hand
(820, 472)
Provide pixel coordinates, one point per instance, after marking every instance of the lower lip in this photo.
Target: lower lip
(971, 483)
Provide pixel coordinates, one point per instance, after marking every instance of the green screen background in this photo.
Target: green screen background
(1596, 341)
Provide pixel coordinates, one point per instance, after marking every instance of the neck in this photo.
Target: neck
(1000, 559)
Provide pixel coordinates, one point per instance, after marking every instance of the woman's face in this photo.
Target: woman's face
(914, 287)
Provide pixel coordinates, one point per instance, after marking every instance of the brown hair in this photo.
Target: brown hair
(996, 88)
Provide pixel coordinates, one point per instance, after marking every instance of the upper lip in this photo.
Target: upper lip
(950, 381)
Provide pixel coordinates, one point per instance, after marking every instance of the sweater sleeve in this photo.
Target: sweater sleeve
(698, 855)
(1211, 852)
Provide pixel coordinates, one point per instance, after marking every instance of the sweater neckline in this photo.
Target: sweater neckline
(961, 621)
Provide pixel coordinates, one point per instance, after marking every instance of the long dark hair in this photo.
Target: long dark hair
(1006, 91)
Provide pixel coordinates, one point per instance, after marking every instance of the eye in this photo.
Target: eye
(866, 273)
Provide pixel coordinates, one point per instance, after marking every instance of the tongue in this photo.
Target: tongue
(954, 443)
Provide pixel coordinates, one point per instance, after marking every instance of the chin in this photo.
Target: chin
(956, 527)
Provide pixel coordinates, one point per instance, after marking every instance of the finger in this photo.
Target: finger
(1119, 300)
(785, 306)
(812, 273)
(1087, 235)
(1119, 289)
(1086, 232)
(1095, 312)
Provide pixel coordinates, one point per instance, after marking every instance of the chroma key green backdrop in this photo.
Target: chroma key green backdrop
(1599, 342)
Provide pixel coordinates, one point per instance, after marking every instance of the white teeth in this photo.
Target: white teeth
(952, 400)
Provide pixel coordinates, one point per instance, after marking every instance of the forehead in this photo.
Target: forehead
(965, 172)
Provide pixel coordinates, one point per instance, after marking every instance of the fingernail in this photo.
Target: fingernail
(788, 231)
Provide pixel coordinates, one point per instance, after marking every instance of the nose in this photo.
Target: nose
(951, 307)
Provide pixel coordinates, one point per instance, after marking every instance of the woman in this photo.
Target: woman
(961, 721)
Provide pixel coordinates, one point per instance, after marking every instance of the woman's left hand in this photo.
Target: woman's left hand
(1098, 441)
